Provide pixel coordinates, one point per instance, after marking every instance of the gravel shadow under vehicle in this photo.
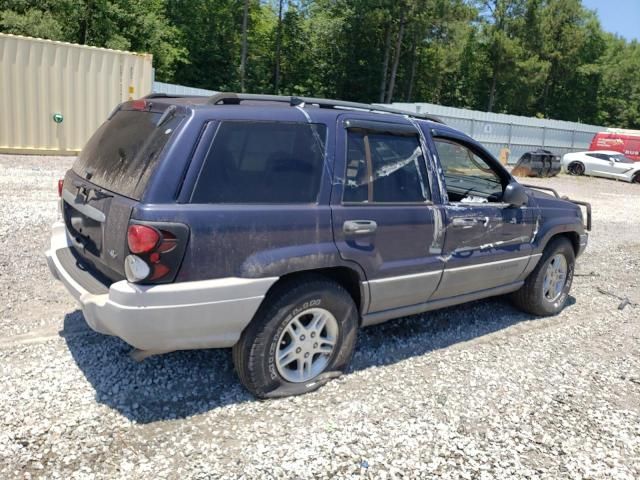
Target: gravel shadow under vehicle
(186, 383)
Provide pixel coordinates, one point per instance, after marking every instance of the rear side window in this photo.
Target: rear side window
(384, 168)
(263, 162)
(123, 153)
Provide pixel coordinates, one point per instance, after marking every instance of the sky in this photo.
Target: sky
(618, 16)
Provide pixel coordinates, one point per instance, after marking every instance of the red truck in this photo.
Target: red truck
(618, 140)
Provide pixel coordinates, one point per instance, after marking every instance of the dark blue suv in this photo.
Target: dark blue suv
(281, 225)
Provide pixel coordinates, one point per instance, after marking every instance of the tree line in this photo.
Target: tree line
(545, 58)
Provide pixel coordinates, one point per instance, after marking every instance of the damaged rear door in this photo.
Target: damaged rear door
(487, 242)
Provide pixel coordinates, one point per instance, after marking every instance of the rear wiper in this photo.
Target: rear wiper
(168, 113)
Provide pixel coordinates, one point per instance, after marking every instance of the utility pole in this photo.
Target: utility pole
(385, 63)
(276, 82)
(243, 59)
(396, 59)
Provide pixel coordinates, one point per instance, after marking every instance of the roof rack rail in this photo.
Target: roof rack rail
(294, 101)
(168, 95)
(158, 95)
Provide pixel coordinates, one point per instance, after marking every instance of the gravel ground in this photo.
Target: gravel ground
(476, 391)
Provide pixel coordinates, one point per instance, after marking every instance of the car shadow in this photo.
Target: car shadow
(186, 383)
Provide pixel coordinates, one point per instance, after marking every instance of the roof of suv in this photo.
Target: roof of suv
(338, 106)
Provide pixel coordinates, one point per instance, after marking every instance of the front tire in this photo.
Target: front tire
(576, 168)
(546, 289)
(303, 335)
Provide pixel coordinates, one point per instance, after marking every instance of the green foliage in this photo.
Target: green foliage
(138, 25)
(33, 22)
(544, 58)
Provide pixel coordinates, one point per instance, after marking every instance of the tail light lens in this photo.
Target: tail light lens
(142, 238)
(60, 186)
(157, 251)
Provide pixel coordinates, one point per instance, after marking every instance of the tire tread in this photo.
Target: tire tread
(527, 297)
(255, 337)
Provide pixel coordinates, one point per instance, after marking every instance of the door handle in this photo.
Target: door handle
(359, 227)
(464, 222)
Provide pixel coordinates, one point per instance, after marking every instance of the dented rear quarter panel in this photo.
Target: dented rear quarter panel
(250, 242)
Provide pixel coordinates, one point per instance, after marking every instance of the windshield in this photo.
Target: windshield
(622, 159)
(123, 153)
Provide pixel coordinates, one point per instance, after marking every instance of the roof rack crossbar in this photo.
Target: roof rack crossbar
(236, 98)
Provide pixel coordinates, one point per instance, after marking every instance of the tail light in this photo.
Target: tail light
(60, 186)
(157, 250)
(142, 238)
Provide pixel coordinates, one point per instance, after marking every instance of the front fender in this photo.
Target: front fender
(558, 225)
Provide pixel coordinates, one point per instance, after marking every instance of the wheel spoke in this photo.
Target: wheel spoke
(297, 324)
(304, 369)
(307, 363)
(327, 342)
(287, 355)
(318, 323)
(291, 332)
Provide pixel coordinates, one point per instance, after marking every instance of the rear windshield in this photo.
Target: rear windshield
(124, 151)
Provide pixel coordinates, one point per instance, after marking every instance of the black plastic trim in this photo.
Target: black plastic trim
(83, 272)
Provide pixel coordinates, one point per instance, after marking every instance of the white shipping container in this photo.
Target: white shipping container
(54, 95)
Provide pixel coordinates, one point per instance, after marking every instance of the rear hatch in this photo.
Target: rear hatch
(109, 179)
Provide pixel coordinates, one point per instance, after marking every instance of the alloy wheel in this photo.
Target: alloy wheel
(555, 277)
(306, 345)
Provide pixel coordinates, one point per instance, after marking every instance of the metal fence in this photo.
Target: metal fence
(518, 134)
(495, 131)
(172, 89)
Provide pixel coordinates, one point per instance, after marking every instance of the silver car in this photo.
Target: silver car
(602, 163)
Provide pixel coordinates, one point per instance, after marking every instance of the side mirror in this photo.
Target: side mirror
(515, 195)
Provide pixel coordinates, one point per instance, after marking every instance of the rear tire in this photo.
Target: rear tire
(636, 178)
(576, 168)
(287, 349)
(546, 289)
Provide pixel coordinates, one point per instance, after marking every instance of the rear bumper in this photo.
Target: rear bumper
(163, 318)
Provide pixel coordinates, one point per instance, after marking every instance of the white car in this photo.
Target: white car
(602, 163)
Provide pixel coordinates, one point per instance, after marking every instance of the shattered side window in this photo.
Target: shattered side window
(468, 177)
(393, 172)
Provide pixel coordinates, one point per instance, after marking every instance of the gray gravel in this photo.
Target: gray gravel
(477, 391)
